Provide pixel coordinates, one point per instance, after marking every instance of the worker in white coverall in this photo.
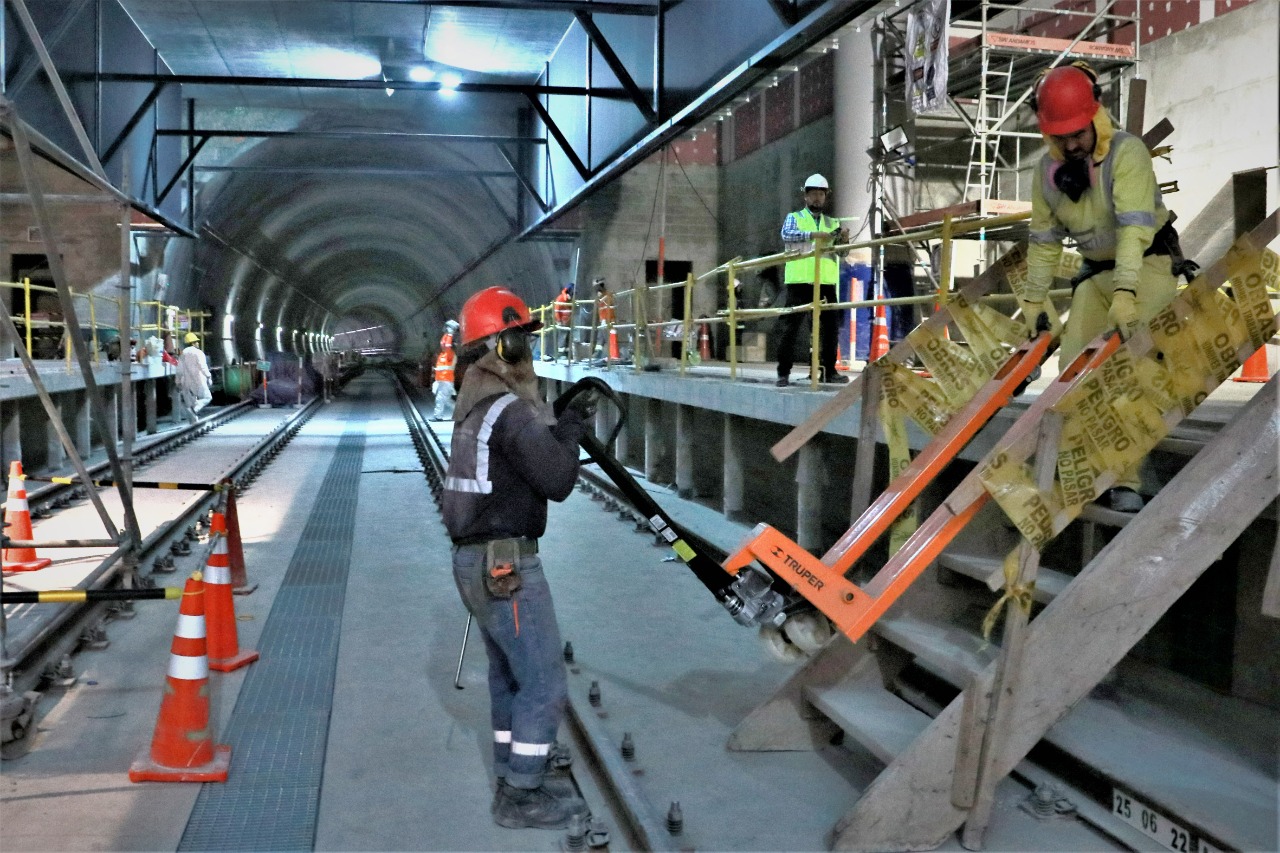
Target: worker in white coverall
(194, 379)
(1095, 186)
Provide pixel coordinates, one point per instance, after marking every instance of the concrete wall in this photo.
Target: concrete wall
(1217, 83)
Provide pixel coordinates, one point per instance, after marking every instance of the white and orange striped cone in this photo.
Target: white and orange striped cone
(17, 519)
(240, 583)
(704, 341)
(879, 334)
(182, 749)
(1255, 367)
(225, 653)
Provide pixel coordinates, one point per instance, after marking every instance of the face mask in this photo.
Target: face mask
(1072, 177)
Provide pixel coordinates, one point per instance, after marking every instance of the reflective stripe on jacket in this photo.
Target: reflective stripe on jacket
(1115, 219)
(564, 308)
(444, 366)
(801, 270)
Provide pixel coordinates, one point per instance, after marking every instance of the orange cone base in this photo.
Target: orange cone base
(144, 769)
(246, 656)
(246, 589)
(1255, 368)
(29, 566)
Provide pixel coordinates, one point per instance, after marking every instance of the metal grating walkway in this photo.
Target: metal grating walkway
(279, 727)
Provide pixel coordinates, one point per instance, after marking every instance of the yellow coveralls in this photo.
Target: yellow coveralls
(1114, 220)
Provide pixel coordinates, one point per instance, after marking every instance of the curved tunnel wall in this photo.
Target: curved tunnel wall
(357, 244)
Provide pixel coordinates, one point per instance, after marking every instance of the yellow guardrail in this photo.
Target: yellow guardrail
(29, 320)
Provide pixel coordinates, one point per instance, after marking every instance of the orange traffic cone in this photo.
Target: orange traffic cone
(224, 644)
(240, 584)
(613, 345)
(704, 341)
(879, 334)
(17, 519)
(182, 749)
(1255, 367)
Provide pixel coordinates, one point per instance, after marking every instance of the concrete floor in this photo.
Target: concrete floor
(406, 766)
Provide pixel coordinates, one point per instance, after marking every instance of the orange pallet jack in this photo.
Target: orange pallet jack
(855, 609)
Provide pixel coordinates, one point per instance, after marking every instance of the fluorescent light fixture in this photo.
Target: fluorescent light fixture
(421, 73)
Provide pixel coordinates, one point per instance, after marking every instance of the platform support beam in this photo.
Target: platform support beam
(734, 479)
(684, 451)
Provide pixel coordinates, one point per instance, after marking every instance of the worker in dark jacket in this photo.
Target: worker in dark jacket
(509, 456)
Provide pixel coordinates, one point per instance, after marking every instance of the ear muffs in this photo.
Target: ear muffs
(1083, 66)
(513, 345)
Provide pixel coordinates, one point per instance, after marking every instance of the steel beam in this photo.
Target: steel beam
(554, 130)
(619, 70)
(150, 99)
(615, 92)
(350, 134)
(191, 156)
(68, 108)
(458, 174)
(524, 182)
(818, 23)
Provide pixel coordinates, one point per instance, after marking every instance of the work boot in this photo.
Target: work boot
(783, 382)
(559, 782)
(534, 808)
(1123, 499)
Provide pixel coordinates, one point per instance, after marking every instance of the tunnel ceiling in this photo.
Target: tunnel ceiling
(335, 188)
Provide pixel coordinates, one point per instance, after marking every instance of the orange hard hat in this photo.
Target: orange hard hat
(492, 310)
(1066, 101)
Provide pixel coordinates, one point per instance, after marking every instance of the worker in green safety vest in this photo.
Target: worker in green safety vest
(798, 233)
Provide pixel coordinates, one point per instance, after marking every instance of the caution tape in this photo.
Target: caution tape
(1114, 416)
(957, 372)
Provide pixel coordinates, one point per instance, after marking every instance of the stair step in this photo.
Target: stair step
(1129, 742)
(871, 715)
(951, 653)
(1049, 583)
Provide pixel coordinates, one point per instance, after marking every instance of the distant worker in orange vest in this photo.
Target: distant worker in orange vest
(608, 311)
(564, 320)
(442, 387)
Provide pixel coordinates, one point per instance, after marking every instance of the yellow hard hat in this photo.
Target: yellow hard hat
(192, 338)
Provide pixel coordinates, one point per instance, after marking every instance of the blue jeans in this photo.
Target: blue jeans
(527, 685)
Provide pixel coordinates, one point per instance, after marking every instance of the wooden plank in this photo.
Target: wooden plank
(785, 721)
(871, 715)
(1049, 583)
(1135, 111)
(1072, 645)
(864, 457)
(1007, 683)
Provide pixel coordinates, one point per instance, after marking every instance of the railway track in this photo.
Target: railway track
(38, 641)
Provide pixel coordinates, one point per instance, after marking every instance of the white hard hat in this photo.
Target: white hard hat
(816, 182)
(451, 325)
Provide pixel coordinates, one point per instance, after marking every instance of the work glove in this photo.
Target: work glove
(1041, 316)
(1124, 313)
(585, 404)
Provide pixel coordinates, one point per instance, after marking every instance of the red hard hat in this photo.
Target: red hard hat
(1065, 101)
(491, 310)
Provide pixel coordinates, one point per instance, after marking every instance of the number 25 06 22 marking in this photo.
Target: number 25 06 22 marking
(1157, 825)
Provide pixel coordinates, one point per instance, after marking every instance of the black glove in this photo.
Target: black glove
(584, 404)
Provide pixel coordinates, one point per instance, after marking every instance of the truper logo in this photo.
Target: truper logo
(794, 565)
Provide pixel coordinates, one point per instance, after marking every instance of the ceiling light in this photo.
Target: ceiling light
(421, 73)
(449, 83)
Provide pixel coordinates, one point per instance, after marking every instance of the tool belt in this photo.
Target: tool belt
(1165, 242)
(501, 563)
